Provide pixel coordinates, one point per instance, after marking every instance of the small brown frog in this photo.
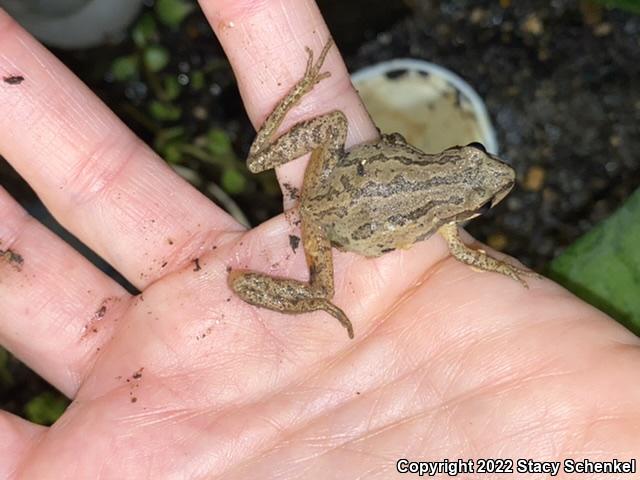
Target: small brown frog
(371, 199)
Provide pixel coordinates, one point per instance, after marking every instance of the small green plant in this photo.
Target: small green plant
(233, 181)
(629, 5)
(45, 408)
(173, 12)
(169, 142)
(145, 31)
(156, 58)
(196, 150)
(6, 379)
(125, 68)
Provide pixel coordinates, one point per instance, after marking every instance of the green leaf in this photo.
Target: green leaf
(164, 111)
(603, 267)
(145, 31)
(167, 135)
(173, 12)
(629, 5)
(233, 182)
(6, 379)
(156, 58)
(170, 87)
(169, 142)
(197, 80)
(46, 408)
(125, 68)
(172, 152)
(218, 142)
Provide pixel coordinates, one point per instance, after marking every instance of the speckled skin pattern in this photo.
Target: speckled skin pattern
(369, 200)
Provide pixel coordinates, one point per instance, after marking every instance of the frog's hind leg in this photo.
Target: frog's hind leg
(292, 296)
(324, 136)
(283, 295)
(327, 132)
(479, 259)
(311, 77)
(267, 153)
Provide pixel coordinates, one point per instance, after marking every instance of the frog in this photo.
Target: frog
(371, 199)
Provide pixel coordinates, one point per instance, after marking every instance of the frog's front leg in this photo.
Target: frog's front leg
(292, 296)
(478, 258)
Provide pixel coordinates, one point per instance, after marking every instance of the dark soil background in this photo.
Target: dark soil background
(561, 80)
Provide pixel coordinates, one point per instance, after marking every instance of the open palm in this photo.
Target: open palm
(187, 381)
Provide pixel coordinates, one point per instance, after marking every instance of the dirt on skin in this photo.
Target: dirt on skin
(13, 79)
(14, 259)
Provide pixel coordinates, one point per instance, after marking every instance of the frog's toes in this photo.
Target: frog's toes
(312, 70)
(516, 276)
(525, 271)
(321, 76)
(517, 273)
(530, 273)
(311, 78)
(339, 315)
(309, 68)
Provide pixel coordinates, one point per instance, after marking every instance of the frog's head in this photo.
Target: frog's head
(485, 180)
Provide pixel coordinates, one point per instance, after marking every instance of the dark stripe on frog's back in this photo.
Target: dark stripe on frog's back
(386, 175)
(362, 196)
(365, 232)
(337, 198)
(362, 228)
(411, 216)
(398, 183)
(405, 154)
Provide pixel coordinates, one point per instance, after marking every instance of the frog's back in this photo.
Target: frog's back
(385, 196)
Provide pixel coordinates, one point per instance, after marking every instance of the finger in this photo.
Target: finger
(17, 436)
(265, 42)
(56, 308)
(96, 177)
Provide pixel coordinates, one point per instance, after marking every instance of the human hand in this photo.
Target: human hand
(185, 380)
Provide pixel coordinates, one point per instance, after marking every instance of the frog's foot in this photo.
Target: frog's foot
(484, 263)
(283, 295)
(264, 138)
(312, 74)
(479, 260)
(319, 303)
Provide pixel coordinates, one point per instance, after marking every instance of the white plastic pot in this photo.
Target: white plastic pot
(74, 23)
(430, 105)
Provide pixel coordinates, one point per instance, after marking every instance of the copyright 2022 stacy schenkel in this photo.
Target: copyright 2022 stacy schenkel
(480, 466)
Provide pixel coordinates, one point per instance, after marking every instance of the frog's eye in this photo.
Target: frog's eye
(478, 146)
(485, 207)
